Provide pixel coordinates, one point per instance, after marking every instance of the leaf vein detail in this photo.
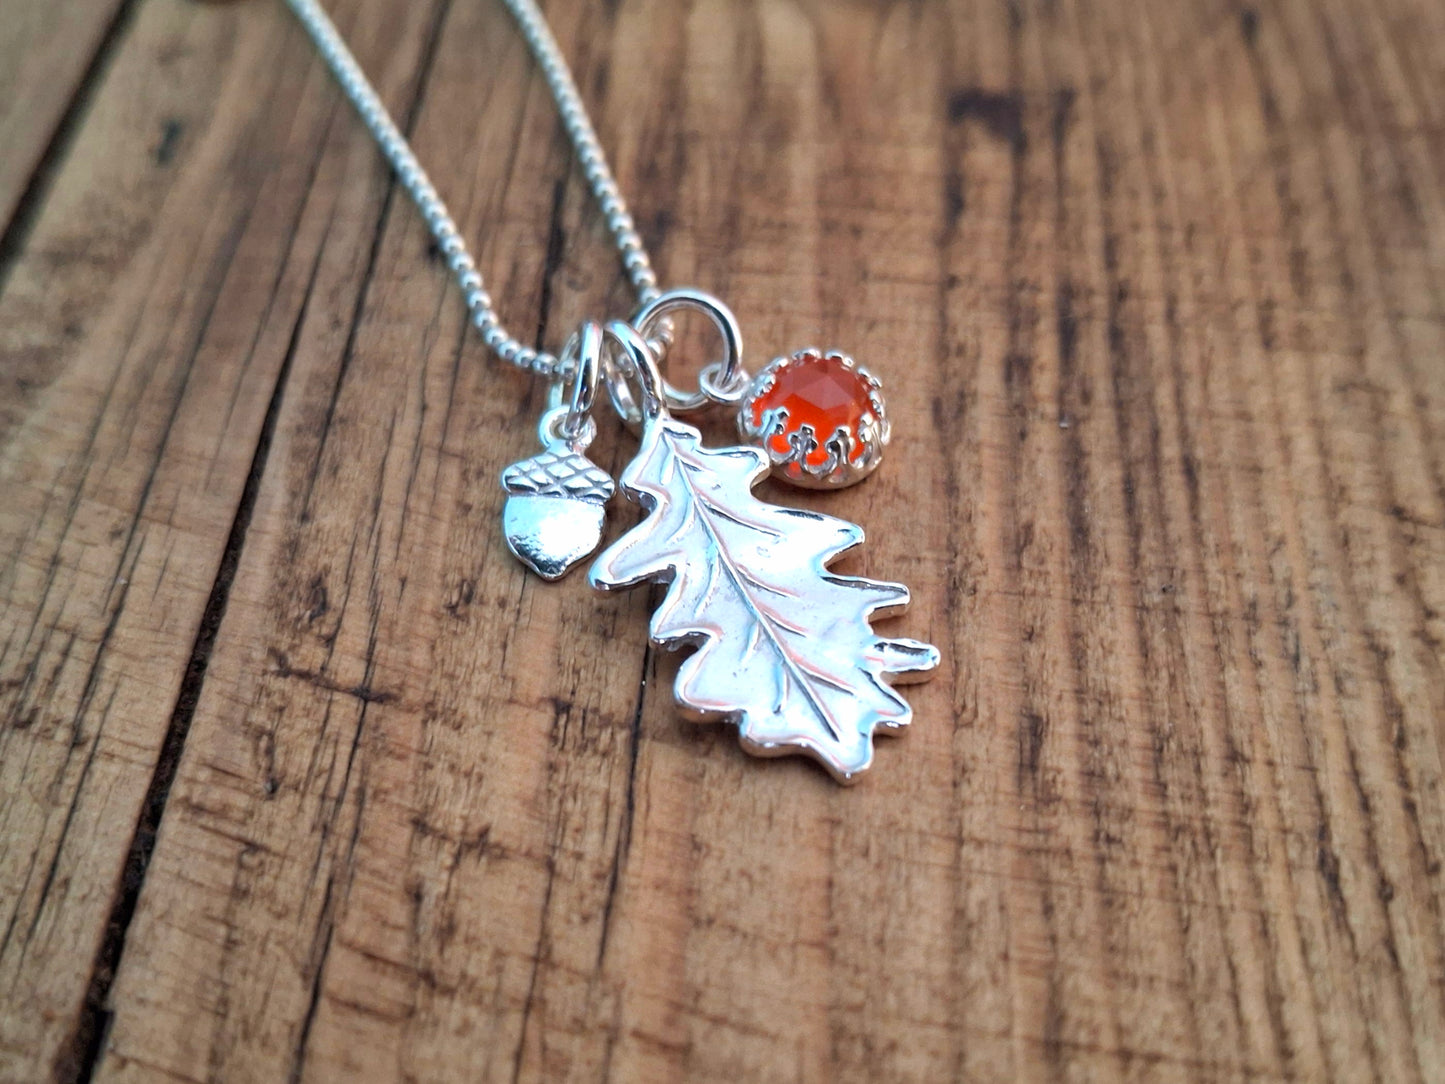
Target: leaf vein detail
(740, 578)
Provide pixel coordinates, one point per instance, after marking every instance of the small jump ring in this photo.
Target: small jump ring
(584, 351)
(637, 362)
(710, 381)
(552, 431)
(729, 379)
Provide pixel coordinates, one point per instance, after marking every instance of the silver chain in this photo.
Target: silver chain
(538, 35)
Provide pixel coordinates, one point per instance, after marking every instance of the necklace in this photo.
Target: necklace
(784, 649)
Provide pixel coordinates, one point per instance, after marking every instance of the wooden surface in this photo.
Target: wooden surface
(301, 778)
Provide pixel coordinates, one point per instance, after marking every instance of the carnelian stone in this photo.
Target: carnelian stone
(817, 391)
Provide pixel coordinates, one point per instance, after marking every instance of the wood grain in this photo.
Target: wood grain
(51, 55)
(145, 325)
(302, 778)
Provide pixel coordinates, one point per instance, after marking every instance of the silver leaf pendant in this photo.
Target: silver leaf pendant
(785, 648)
(554, 512)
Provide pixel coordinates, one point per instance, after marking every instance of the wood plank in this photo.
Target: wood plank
(50, 53)
(1158, 290)
(143, 331)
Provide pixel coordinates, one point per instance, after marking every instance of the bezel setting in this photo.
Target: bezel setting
(851, 456)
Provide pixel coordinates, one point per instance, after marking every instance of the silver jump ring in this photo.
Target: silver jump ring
(583, 356)
(637, 363)
(719, 390)
(572, 424)
(552, 430)
(722, 381)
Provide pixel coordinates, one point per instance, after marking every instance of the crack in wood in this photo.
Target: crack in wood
(87, 1041)
(362, 690)
(37, 189)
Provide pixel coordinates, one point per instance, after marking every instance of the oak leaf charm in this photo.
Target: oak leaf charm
(784, 647)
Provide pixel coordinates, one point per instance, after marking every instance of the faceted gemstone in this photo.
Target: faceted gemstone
(817, 391)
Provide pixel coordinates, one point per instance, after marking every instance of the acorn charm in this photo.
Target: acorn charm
(819, 416)
(554, 512)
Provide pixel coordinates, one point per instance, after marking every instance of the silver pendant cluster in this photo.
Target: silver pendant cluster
(782, 647)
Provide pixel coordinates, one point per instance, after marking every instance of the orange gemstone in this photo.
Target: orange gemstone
(821, 392)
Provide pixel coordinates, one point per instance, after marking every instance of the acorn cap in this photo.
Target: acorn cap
(559, 474)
